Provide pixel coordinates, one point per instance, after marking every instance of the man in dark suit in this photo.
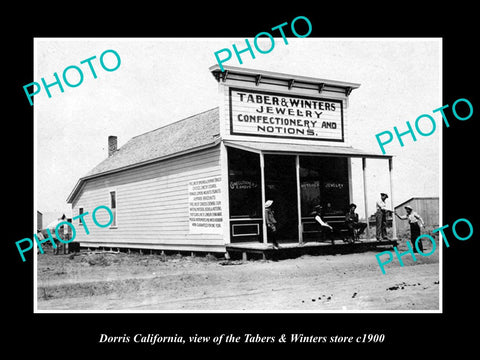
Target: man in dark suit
(351, 219)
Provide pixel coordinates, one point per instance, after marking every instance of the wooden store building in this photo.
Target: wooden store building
(200, 184)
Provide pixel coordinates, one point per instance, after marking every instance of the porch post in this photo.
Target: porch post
(390, 170)
(299, 199)
(262, 178)
(350, 184)
(225, 192)
(364, 168)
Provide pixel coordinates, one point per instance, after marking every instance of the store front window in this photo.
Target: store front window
(245, 196)
(244, 183)
(323, 181)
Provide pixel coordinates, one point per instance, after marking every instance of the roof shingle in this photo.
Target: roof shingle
(190, 133)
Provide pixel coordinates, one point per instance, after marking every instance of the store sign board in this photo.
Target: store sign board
(260, 113)
(205, 206)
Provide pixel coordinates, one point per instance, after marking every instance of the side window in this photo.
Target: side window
(80, 212)
(113, 206)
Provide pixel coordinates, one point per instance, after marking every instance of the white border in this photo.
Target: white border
(227, 40)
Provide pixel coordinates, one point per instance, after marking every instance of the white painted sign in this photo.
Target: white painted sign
(205, 206)
(259, 113)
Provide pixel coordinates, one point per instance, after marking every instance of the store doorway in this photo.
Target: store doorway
(281, 187)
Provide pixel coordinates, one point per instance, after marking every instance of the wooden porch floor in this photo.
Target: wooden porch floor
(293, 249)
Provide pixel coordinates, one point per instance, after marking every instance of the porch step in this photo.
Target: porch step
(294, 249)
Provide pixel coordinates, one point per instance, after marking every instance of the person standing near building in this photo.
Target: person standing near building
(413, 219)
(381, 217)
(64, 231)
(271, 224)
(66, 237)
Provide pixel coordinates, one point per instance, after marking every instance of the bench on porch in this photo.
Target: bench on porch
(341, 231)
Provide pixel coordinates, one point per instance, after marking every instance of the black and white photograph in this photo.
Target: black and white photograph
(235, 181)
(180, 184)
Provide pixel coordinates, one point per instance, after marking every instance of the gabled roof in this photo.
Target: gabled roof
(191, 134)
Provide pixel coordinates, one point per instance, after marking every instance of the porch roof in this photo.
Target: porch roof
(274, 147)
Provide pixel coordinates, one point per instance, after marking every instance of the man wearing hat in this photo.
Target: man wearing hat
(325, 228)
(381, 217)
(271, 223)
(413, 219)
(351, 219)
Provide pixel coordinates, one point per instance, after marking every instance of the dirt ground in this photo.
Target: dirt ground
(135, 282)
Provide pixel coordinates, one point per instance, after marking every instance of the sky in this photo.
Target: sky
(162, 80)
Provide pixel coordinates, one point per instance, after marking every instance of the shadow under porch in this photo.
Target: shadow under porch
(293, 249)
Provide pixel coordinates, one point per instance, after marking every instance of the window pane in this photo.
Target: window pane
(113, 202)
(310, 170)
(244, 184)
(324, 181)
(80, 212)
(334, 186)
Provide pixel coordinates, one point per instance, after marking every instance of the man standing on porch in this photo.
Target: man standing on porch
(381, 217)
(271, 227)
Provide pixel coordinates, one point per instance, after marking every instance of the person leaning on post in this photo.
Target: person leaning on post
(413, 219)
(271, 224)
(381, 217)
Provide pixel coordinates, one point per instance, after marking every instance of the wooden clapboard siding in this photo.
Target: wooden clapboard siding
(152, 205)
(426, 207)
(168, 247)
